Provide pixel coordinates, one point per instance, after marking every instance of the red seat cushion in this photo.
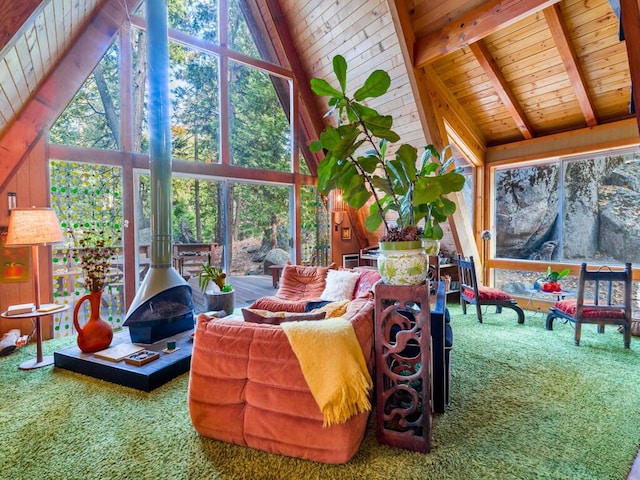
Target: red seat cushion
(488, 293)
(588, 311)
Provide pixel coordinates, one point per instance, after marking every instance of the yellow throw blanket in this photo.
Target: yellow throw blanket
(333, 366)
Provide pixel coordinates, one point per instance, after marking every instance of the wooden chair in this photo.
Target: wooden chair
(603, 287)
(473, 294)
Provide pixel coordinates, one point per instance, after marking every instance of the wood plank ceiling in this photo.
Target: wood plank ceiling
(499, 71)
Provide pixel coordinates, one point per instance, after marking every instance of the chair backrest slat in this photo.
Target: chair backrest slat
(603, 282)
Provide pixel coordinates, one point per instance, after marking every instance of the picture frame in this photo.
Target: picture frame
(15, 262)
(345, 234)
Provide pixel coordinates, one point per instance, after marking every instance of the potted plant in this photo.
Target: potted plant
(95, 255)
(218, 293)
(551, 281)
(361, 159)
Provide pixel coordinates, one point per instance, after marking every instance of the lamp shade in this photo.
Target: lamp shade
(33, 226)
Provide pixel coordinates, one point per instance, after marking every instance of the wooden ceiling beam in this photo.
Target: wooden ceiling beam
(59, 88)
(630, 14)
(474, 26)
(13, 15)
(560, 34)
(491, 69)
(432, 122)
(457, 118)
(311, 121)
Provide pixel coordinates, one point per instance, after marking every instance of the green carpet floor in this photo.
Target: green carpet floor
(526, 404)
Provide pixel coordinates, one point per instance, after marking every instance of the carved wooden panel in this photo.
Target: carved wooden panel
(403, 367)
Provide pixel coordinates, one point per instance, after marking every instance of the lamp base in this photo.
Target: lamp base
(34, 363)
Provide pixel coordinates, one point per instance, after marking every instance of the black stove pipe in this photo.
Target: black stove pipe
(161, 276)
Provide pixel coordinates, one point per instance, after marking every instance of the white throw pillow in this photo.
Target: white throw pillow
(340, 285)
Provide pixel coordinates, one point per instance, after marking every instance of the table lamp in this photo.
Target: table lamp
(34, 226)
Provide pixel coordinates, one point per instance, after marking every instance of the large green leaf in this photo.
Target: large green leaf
(407, 155)
(364, 110)
(357, 195)
(340, 69)
(344, 146)
(375, 85)
(327, 181)
(378, 127)
(399, 176)
(323, 88)
(448, 207)
(451, 182)
(316, 146)
(381, 183)
(374, 220)
(369, 163)
(426, 191)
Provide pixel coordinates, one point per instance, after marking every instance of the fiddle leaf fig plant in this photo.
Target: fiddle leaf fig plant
(361, 159)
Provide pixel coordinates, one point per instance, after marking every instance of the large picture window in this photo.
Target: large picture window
(570, 210)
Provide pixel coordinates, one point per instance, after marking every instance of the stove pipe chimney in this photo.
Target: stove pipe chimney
(161, 277)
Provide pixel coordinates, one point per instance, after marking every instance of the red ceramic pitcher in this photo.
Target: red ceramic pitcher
(96, 334)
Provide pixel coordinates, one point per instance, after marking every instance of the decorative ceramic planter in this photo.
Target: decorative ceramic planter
(550, 286)
(96, 334)
(403, 263)
(431, 246)
(217, 301)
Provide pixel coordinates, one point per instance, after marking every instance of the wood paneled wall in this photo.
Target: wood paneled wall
(324, 29)
(31, 185)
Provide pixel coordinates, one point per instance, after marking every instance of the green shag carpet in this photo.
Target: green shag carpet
(526, 404)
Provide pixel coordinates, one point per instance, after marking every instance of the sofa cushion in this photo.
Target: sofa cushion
(333, 309)
(366, 282)
(340, 285)
(277, 304)
(276, 318)
(298, 282)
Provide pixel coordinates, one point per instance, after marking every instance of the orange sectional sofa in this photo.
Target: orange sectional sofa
(246, 386)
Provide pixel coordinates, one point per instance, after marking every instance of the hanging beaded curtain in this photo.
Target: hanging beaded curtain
(315, 229)
(87, 200)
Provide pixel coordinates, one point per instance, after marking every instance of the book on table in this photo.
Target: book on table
(118, 352)
(20, 309)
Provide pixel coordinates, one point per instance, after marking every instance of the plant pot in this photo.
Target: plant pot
(217, 301)
(551, 287)
(403, 263)
(431, 246)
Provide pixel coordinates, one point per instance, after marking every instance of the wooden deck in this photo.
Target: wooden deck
(248, 289)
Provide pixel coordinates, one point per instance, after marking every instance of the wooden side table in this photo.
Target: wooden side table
(40, 360)
(403, 366)
(276, 272)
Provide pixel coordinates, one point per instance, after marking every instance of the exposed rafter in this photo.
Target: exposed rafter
(60, 87)
(474, 26)
(560, 34)
(630, 13)
(491, 69)
(311, 122)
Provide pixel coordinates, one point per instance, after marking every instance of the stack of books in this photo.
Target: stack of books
(20, 309)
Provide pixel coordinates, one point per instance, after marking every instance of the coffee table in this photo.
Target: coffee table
(141, 377)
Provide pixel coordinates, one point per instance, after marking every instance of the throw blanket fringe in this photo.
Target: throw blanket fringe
(333, 365)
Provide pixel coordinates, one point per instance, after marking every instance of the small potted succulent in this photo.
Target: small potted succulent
(551, 281)
(218, 293)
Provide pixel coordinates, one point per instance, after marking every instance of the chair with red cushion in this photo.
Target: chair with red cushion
(473, 294)
(609, 301)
